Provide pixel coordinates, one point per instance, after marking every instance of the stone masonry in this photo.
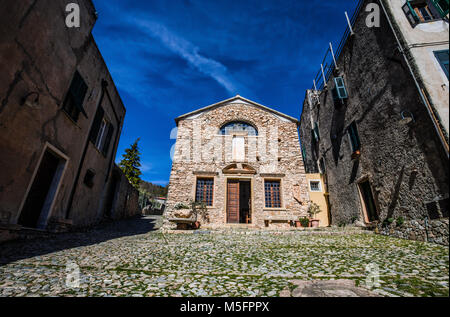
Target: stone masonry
(274, 154)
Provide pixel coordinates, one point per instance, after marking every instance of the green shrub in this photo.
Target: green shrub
(400, 221)
(304, 221)
(387, 222)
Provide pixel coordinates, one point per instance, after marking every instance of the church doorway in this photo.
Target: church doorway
(239, 199)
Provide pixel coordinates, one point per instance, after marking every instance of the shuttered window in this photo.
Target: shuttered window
(272, 194)
(102, 132)
(340, 88)
(442, 57)
(73, 104)
(442, 6)
(205, 191)
(422, 11)
(354, 137)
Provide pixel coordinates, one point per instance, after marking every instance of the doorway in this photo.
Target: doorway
(239, 201)
(368, 202)
(40, 197)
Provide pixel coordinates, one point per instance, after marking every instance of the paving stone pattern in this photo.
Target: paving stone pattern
(130, 258)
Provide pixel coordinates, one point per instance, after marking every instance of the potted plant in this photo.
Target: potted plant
(304, 221)
(199, 209)
(313, 210)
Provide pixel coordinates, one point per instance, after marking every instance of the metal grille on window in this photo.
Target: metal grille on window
(272, 194)
(204, 193)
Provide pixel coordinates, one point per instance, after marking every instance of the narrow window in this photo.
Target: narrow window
(205, 190)
(315, 186)
(102, 132)
(272, 194)
(238, 149)
(442, 57)
(422, 11)
(354, 137)
(73, 104)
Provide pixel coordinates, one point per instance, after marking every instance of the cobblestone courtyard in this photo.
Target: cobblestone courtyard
(130, 258)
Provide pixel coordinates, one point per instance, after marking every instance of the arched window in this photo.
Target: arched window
(238, 126)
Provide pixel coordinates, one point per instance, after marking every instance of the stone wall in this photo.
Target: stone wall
(404, 162)
(126, 201)
(41, 55)
(278, 158)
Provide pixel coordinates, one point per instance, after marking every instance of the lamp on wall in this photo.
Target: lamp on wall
(31, 102)
(407, 117)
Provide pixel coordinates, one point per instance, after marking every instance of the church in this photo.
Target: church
(243, 161)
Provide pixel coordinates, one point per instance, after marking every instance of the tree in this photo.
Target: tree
(131, 163)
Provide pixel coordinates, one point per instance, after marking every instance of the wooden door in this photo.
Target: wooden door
(233, 201)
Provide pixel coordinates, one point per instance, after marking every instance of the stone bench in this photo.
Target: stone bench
(281, 218)
(183, 223)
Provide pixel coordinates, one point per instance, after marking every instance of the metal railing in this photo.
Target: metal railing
(328, 62)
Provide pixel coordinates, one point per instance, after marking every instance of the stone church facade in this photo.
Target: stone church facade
(243, 160)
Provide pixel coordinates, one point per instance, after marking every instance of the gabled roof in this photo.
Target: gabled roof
(236, 99)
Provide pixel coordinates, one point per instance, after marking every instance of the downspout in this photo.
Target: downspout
(419, 89)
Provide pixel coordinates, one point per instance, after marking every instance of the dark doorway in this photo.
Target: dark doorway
(244, 202)
(368, 201)
(42, 192)
(111, 197)
(238, 201)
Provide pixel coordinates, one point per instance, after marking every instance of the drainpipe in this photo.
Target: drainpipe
(422, 96)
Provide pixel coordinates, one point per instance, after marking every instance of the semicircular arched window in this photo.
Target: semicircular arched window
(238, 126)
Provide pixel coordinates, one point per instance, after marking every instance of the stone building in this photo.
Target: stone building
(243, 160)
(377, 126)
(60, 119)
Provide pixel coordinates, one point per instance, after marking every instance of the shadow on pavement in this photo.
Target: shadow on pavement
(23, 249)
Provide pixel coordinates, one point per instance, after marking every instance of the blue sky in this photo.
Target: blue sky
(169, 57)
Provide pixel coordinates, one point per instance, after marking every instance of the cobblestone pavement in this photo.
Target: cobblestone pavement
(129, 258)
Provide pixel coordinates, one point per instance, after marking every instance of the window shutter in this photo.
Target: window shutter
(340, 88)
(410, 14)
(442, 57)
(442, 6)
(96, 124)
(108, 139)
(78, 90)
(316, 131)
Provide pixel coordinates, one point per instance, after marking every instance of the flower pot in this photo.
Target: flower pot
(298, 224)
(314, 223)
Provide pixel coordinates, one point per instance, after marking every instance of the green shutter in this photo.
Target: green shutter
(340, 88)
(410, 14)
(442, 6)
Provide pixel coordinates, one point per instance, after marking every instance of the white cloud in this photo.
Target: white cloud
(190, 53)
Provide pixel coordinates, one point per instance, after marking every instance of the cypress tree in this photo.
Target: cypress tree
(131, 163)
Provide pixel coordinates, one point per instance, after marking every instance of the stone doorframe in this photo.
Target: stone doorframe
(54, 187)
(367, 178)
(252, 194)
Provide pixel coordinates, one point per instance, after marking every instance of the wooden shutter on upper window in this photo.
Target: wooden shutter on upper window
(340, 88)
(442, 6)
(96, 124)
(108, 139)
(78, 90)
(410, 14)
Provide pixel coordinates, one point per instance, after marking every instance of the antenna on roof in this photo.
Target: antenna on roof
(349, 24)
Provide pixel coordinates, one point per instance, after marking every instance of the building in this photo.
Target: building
(243, 160)
(376, 123)
(60, 120)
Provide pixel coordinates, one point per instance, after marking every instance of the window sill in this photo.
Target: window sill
(71, 119)
(274, 209)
